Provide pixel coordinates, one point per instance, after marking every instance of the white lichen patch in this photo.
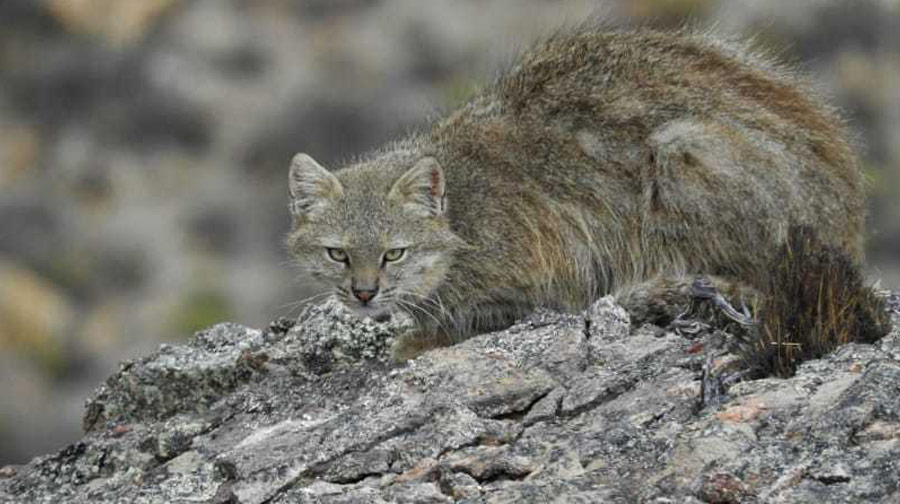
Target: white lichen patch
(330, 332)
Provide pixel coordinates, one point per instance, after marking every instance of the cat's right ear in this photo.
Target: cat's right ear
(311, 186)
(421, 189)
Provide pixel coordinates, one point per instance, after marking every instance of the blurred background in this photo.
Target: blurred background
(144, 147)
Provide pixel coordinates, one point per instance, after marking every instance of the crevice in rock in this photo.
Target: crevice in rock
(333, 475)
(225, 494)
(712, 388)
(226, 469)
(320, 467)
(611, 394)
(497, 476)
(106, 466)
(352, 480)
(503, 477)
(477, 441)
(280, 327)
(519, 414)
(445, 489)
(480, 440)
(832, 479)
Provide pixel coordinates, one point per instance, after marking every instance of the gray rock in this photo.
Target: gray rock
(557, 408)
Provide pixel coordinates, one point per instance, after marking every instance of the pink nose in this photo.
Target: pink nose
(365, 295)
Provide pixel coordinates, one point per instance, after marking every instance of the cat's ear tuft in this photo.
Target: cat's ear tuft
(421, 189)
(311, 186)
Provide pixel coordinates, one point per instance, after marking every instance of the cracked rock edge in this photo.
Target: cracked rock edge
(557, 406)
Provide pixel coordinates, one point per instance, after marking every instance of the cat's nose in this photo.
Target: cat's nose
(365, 295)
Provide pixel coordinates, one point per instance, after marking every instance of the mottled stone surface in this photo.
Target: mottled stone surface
(558, 408)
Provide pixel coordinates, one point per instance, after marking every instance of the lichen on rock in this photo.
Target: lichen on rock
(566, 407)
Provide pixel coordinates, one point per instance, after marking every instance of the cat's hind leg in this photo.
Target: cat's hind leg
(665, 299)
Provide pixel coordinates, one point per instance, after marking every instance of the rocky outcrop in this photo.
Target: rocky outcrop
(557, 408)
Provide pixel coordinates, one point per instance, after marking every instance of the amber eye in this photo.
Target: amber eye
(338, 255)
(394, 255)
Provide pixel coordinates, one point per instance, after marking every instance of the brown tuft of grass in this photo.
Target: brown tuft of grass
(814, 300)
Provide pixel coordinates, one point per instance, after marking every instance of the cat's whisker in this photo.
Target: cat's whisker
(440, 304)
(401, 299)
(428, 300)
(412, 306)
(301, 301)
(443, 313)
(294, 310)
(294, 305)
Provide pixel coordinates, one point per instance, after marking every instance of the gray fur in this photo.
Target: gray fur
(599, 161)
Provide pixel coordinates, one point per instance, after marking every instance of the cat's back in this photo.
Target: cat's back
(690, 148)
(636, 80)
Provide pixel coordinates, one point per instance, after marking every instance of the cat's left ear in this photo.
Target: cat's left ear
(421, 189)
(311, 186)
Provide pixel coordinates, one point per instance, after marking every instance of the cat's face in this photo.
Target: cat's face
(377, 244)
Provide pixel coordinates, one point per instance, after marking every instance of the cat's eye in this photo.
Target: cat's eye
(338, 255)
(394, 254)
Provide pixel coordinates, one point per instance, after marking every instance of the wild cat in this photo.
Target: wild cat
(601, 162)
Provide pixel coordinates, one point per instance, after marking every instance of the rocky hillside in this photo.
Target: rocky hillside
(557, 408)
